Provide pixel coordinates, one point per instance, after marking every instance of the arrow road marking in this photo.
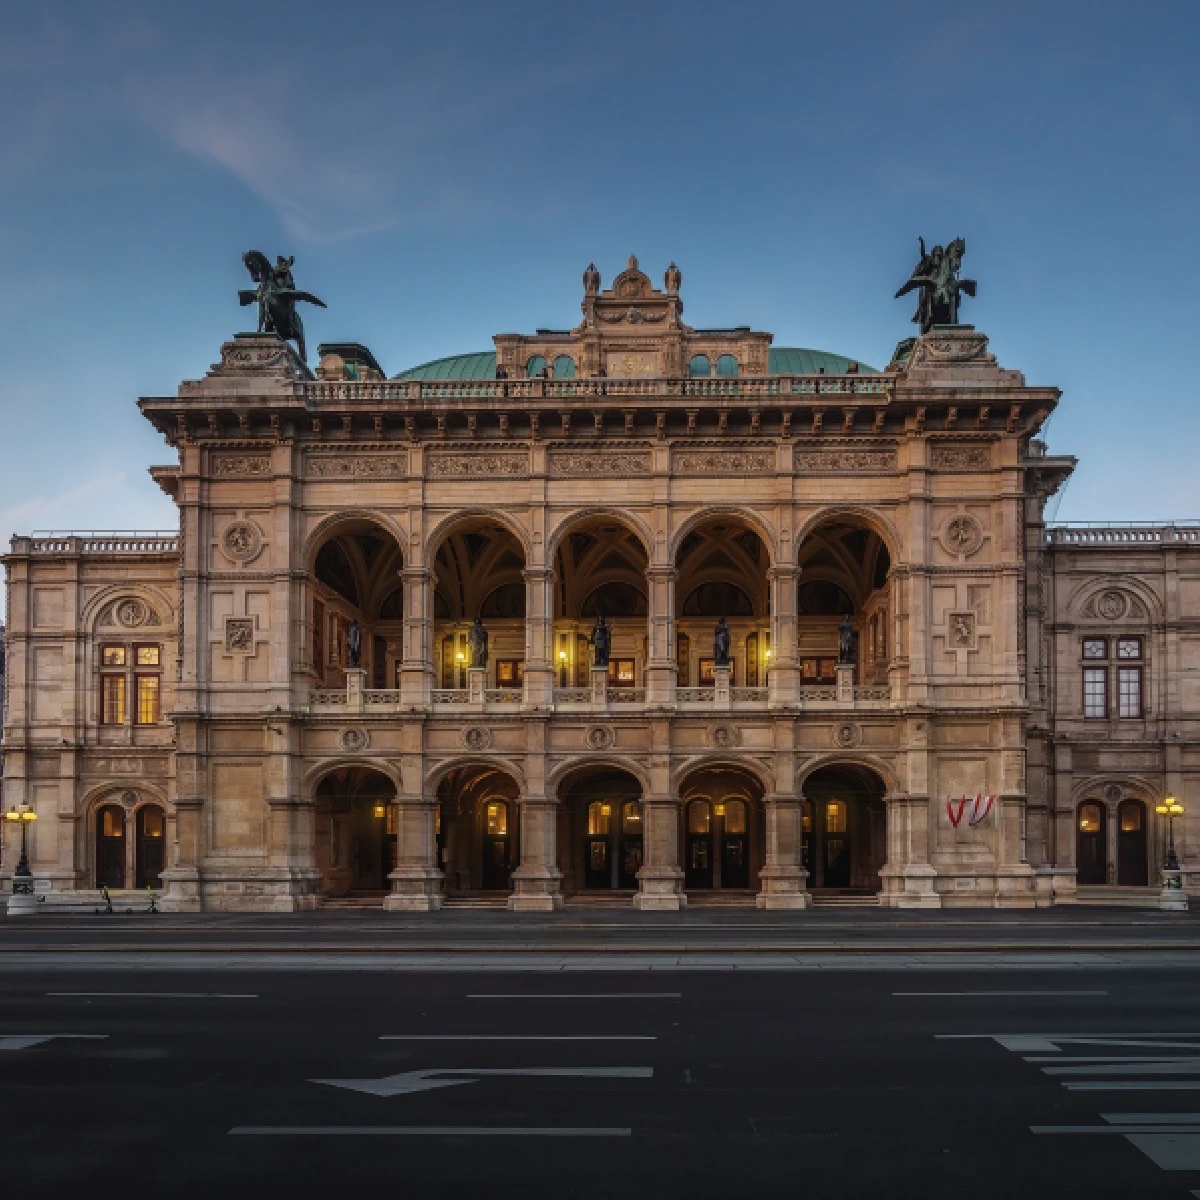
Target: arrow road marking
(22, 1041)
(408, 1082)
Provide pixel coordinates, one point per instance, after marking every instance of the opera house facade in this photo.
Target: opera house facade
(924, 695)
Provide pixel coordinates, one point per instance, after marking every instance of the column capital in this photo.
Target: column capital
(783, 571)
(538, 574)
(415, 574)
(663, 571)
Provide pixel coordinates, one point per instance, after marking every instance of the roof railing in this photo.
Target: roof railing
(1123, 533)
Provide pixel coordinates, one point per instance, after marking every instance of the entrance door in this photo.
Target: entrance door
(837, 845)
(497, 862)
(1132, 869)
(110, 846)
(735, 845)
(1090, 858)
(631, 843)
(597, 861)
(698, 846)
(151, 846)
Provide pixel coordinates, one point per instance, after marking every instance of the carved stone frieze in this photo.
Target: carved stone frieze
(843, 460)
(241, 541)
(226, 465)
(259, 355)
(618, 463)
(482, 464)
(961, 458)
(1113, 604)
(356, 466)
(724, 462)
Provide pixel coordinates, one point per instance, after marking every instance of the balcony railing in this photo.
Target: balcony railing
(1123, 534)
(119, 541)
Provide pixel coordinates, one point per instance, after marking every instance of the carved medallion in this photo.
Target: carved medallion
(723, 736)
(600, 737)
(1111, 606)
(132, 613)
(239, 635)
(1112, 793)
(847, 735)
(241, 541)
(477, 737)
(962, 534)
(355, 739)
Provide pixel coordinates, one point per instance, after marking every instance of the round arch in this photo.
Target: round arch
(841, 758)
(602, 762)
(332, 524)
(439, 771)
(753, 520)
(464, 516)
(157, 600)
(871, 518)
(1125, 584)
(315, 774)
(579, 516)
(718, 761)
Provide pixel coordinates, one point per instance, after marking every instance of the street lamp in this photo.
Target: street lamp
(22, 885)
(1170, 808)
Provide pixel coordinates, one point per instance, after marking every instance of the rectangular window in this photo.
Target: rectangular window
(510, 672)
(147, 656)
(752, 660)
(1095, 648)
(620, 672)
(1129, 692)
(147, 700)
(818, 670)
(1128, 648)
(1095, 692)
(112, 699)
(318, 635)
(112, 656)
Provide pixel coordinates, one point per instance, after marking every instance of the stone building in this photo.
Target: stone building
(282, 705)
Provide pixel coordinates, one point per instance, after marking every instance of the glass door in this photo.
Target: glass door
(698, 846)
(1090, 857)
(837, 845)
(151, 841)
(1132, 870)
(597, 861)
(735, 846)
(631, 843)
(497, 862)
(110, 847)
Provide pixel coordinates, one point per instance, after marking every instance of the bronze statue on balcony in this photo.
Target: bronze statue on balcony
(936, 275)
(721, 644)
(477, 643)
(277, 298)
(601, 643)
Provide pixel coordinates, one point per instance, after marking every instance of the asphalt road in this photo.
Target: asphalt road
(206, 1083)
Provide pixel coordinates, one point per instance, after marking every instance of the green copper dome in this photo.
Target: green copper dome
(784, 360)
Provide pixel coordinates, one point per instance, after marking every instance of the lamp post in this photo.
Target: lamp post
(1173, 895)
(21, 901)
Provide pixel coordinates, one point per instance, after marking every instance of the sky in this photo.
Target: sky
(444, 172)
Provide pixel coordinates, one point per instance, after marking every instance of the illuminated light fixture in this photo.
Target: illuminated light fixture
(562, 656)
(605, 810)
(460, 656)
(720, 810)
(381, 811)
(1170, 808)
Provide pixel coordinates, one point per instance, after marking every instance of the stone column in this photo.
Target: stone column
(784, 677)
(661, 668)
(537, 882)
(660, 881)
(783, 876)
(908, 876)
(181, 879)
(539, 637)
(417, 880)
(416, 668)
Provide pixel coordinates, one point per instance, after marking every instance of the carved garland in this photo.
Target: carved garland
(585, 462)
(724, 462)
(841, 461)
(479, 465)
(241, 464)
(357, 466)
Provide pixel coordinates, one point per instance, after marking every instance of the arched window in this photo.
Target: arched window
(564, 367)
(535, 366)
(615, 599)
(699, 367)
(727, 365)
(821, 598)
(506, 601)
(718, 599)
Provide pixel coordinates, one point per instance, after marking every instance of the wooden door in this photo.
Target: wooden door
(735, 846)
(1090, 856)
(497, 861)
(110, 846)
(1132, 866)
(597, 856)
(698, 846)
(151, 846)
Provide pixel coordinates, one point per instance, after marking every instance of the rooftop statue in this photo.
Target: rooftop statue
(937, 277)
(277, 297)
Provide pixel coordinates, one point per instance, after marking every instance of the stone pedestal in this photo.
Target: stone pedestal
(356, 682)
(417, 880)
(660, 881)
(845, 683)
(537, 882)
(783, 878)
(599, 687)
(476, 681)
(721, 694)
(21, 904)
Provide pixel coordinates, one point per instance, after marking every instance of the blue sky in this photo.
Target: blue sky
(443, 172)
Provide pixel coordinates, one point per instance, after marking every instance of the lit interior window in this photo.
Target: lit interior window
(496, 816)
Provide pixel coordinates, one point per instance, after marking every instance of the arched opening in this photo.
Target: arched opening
(600, 571)
(844, 575)
(477, 829)
(479, 572)
(564, 367)
(699, 366)
(150, 857)
(1133, 866)
(727, 366)
(844, 829)
(600, 835)
(723, 829)
(356, 825)
(110, 846)
(1090, 855)
(535, 366)
(722, 574)
(355, 582)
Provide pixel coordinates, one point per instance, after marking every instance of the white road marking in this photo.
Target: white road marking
(574, 995)
(168, 995)
(1158, 1127)
(423, 1131)
(1051, 1042)
(1170, 1140)
(1170, 1085)
(22, 1041)
(1167, 1118)
(1176, 1066)
(517, 1037)
(1028, 993)
(407, 1082)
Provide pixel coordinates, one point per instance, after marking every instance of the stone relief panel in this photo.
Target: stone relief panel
(961, 628)
(241, 465)
(355, 740)
(1114, 604)
(961, 458)
(843, 461)
(130, 612)
(319, 465)
(847, 735)
(724, 462)
(477, 737)
(619, 463)
(241, 541)
(239, 635)
(724, 736)
(962, 535)
(600, 737)
(466, 464)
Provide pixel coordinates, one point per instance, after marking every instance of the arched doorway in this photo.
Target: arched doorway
(110, 846)
(844, 824)
(1090, 855)
(150, 824)
(356, 824)
(600, 835)
(477, 827)
(723, 831)
(355, 578)
(1133, 868)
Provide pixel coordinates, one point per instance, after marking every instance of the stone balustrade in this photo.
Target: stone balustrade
(1133, 533)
